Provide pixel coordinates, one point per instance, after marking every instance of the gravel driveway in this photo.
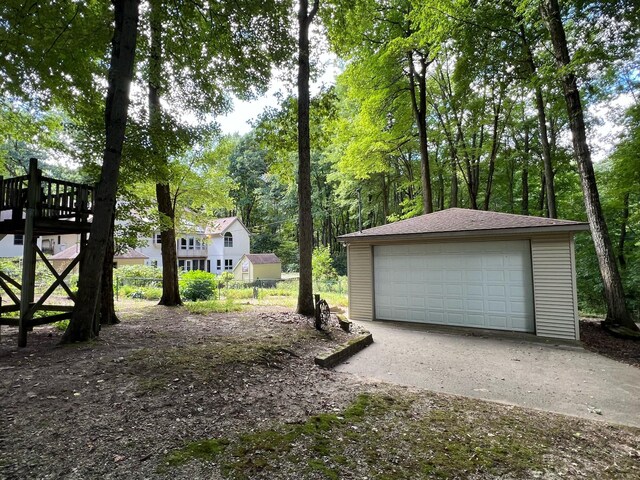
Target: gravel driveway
(561, 378)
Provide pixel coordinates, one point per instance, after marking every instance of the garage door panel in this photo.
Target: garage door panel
(453, 304)
(498, 321)
(452, 290)
(417, 302)
(496, 307)
(435, 304)
(495, 276)
(496, 291)
(474, 305)
(479, 284)
(474, 320)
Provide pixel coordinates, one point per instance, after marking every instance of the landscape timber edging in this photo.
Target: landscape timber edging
(344, 351)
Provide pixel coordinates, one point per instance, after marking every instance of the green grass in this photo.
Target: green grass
(213, 306)
(381, 436)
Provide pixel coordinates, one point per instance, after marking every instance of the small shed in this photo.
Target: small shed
(258, 266)
(62, 259)
(468, 268)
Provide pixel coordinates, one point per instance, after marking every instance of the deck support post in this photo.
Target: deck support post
(29, 255)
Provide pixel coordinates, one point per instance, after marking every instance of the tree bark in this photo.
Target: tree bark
(623, 231)
(618, 317)
(82, 326)
(305, 220)
(419, 107)
(170, 289)
(107, 307)
(495, 141)
(542, 124)
(525, 176)
(454, 184)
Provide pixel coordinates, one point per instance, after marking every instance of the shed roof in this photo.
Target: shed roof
(459, 222)
(68, 253)
(262, 258)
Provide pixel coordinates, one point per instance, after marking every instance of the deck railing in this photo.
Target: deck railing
(58, 199)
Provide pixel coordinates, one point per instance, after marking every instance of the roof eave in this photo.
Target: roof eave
(580, 227)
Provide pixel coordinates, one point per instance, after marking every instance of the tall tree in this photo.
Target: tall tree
(83, 325)
(618, 317)
(170, 291)
(305, 219)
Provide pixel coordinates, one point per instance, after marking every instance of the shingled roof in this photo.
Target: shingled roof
(71, 252)
(459, 222)
(262, 258)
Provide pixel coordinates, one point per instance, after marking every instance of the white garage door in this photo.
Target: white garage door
(471, 284)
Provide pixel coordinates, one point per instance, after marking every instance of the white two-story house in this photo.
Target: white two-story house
(215, 249)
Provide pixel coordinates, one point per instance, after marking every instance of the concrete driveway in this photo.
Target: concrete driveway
(509, 368)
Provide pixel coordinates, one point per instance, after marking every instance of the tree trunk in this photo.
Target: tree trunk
(618, 317)
(542, 125)
(305, 221)
(542, 197)
(454, 184)
(623, 231)
(419, 107)
(495, 139)
(170, 292)
(525, 176)
(82, 324)
(107, 307)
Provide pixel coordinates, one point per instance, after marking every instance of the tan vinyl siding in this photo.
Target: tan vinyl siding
(267, 271)
(554, 287)
(360, 272)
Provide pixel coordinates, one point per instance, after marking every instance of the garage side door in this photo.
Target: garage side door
(470, 284)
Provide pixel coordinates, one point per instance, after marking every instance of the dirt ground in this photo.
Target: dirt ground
(594, 338)
(117, 407)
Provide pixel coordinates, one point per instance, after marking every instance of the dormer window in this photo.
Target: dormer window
(228, 240)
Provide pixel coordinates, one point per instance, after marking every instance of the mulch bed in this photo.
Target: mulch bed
(596, 339)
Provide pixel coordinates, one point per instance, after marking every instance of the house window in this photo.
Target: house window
(158, 238)
(192, 243)
(228, 264)
(154, 263)
(228, 240)
(181, 264)
(218, 264)
(183, 244)
(198, 244)
(18, 239)
(208, 265)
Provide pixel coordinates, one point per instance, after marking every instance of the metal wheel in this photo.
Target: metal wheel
(323, 314)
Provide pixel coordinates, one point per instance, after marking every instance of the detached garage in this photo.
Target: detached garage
(467, 268)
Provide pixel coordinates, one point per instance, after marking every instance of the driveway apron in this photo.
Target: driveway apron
(515, 370)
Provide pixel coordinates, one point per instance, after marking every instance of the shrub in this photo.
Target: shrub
(197, 285)
(322, 265)
(139, 271)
